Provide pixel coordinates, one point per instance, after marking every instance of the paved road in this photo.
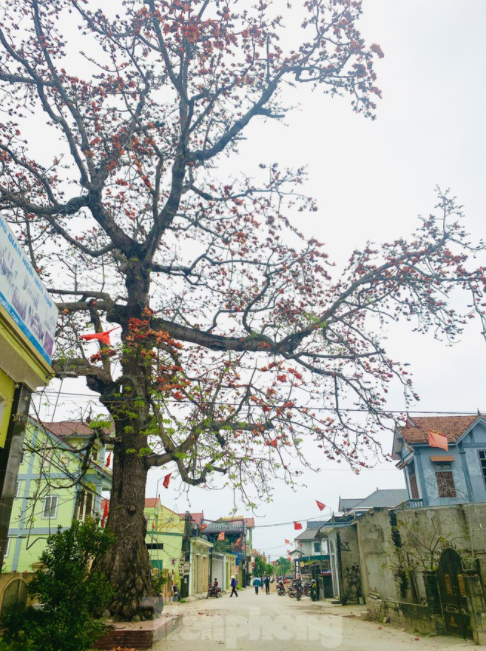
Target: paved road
(273, 623)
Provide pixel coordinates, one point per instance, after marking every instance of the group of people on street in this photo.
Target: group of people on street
(258, 583)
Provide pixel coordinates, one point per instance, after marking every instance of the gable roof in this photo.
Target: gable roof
(69, 428)
(385, 498)
(315, 524)
(152, 502)
(389, 498)
(346, 504)
(453, 427)
(308, 534)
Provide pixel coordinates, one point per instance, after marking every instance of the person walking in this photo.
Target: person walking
(266, 583)
(233, 587)
(257, 584)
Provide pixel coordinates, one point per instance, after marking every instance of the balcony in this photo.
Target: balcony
(412, 504)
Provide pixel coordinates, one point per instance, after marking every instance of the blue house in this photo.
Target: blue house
(436, 477)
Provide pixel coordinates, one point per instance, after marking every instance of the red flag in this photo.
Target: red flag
(438, 440)
(297, 525)
(166, 481)
(221, 536)
(108, 459)
(289, 551)
(105, 514)
(287, 542)
(104, 337)
(320, 505)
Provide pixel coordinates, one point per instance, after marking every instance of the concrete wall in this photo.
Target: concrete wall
(373, 542)
(350, 584)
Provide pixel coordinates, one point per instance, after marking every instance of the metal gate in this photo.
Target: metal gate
(452, 590)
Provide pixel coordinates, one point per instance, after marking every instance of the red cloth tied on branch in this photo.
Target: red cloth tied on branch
(103, 337)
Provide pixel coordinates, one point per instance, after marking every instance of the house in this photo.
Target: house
(165, 533)
(436, 477)
(389, 498)
(28, 320)
(308, 544)
(51, 490)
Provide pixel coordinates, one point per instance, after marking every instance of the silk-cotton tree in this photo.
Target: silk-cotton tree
(238, 341)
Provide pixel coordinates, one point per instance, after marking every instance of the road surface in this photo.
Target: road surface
(277, 623)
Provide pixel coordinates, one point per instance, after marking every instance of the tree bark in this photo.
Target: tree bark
(127, 563)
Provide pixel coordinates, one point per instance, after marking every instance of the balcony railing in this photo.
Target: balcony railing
(412, 504)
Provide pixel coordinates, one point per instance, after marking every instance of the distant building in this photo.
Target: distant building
(436, 477)
(389, 497)
(51, 491)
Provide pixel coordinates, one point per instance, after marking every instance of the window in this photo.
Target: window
(482, 461)
(412, 480)
(22, 457)
(445, 481)
(17, 489)
(7, 548)
(50, 507)
(317, 548)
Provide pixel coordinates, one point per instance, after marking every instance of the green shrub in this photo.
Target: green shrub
(69, 593)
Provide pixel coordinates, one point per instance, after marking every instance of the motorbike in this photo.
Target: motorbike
(177, 594)
(296, 590)
(299, 591)
(280, 588)
(313, 590)
(214, 591)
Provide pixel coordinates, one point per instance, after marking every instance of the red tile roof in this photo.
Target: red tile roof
(197, 518)
(152, 502)
(69, 428)
(453, 427)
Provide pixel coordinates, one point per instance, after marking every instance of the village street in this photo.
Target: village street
(282, 623)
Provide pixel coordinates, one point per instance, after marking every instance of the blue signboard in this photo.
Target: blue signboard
(24, 297)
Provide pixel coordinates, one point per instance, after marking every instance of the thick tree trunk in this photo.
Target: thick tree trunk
(127, 563)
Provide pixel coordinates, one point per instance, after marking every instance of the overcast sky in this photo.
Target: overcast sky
(371, 180)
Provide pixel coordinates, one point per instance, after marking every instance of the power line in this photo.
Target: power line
(474, 412)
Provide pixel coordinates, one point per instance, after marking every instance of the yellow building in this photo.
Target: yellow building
(165, 531)
(27, 327)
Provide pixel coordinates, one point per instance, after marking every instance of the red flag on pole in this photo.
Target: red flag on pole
(105, 514)
(108, 459)
(104, 337)
(287, 542)
(221, 536)
(438, 440)
(166, 481)
(320, 505)
(297, 525)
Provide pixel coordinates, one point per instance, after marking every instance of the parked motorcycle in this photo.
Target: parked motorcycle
(214, 591)
(296, 590)
(299, 591)
(280, 588)
(313, 590)
(177, 594)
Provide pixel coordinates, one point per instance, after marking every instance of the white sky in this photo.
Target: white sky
(371, 180)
